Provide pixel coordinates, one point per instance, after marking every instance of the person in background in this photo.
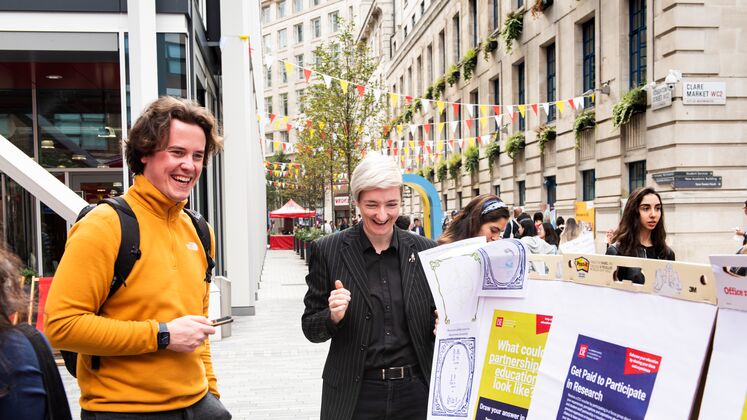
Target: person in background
(560, 223)
(743, 231)
(571, 231)
(641, 233)
(548, 234)
(546, 213)
(538, 219)
(403, 222)
(418, 228)
(486, 215)
(344, 224)
(530, 238)
(22, 394)
(512, 228)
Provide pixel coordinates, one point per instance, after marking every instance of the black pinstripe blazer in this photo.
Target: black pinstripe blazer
(339, 257)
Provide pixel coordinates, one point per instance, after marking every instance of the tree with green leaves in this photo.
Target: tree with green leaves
(345, 108)
(275, 193)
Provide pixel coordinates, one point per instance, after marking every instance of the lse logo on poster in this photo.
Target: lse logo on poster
(499, 321)
(582, 350)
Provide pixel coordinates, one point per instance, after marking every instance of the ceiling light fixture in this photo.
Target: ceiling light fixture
(78, 157)
(53, 77)
(47, 144)
(106, 133)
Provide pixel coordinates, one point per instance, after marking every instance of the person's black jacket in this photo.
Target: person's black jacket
(340, 257)
(634, 274)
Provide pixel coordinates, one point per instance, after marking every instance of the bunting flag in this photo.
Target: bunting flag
(469, 111)
(426, 103)
(560, 105)
(394, 99)
(441, 105)
(427, 128)
(469, 124)
(498, 121)
(483, 110)
(327, 80)
(307, 74)
(496, 110)
(546, 108)
(454, 126)
(344, 85)
(361, 90)
(321, 125)
(269, 60)
(455, 107)
(522, 110)
(572, 104)
(288, 68)
(408, 99)
(578, 102)
(440, 129)
(377, 94)
(534, 108)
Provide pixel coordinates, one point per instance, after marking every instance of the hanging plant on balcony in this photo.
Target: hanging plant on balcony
(514, 143)
(469, 62)
(407, 114)
(472, 159)
(429, 92)
(540, 6)
(512, 28)
(441, 169)
(453, 74)
(455, 166)
(429, 173)
(417, 104)
(545, 133)
(492, 151)
(633, 102)
(584, 121)
(440, 87)
(488, 46)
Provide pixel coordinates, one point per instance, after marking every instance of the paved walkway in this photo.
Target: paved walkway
(266, 369)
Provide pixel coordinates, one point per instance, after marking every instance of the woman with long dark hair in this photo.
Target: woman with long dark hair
(548, 234)
(486, 215)
(530, 238)
(641, 232)
(22, 394)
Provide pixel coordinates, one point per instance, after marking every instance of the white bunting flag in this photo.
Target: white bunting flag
(454, 126)
(377, 94)
(578, 102)
(498, 120)
(327, 80)
(470, 111)
(413, 129)
(546, 107)
(269, 59)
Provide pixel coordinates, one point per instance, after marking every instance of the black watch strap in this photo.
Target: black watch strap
(163, 337)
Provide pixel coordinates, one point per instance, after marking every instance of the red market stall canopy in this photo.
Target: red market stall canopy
(291, 210)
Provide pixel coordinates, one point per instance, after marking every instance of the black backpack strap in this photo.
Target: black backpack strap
(129, 248)
(57, 405)
(203, 231)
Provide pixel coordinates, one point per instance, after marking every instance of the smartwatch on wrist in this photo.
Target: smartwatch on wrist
(163, 336)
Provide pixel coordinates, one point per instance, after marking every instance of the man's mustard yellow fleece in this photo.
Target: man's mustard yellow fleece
(166, 283)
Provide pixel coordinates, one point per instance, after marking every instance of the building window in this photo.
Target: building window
(521, 99)
(281, 9)
(266, 15)
(588, 179)
(297, 5)
(429, 57)
(298, 31)
(284, 103)
(589, 68)
(519, 3)
(268, 76)
(459, 200)
(315, 2)
(283, 75)
(637, 42)
(457, 38)
(299, 100)
(473, 21)
(442, 48)
(267, 42)
(496, 14)
(299, 66)
(334, 21)
(282, 38)
(496, 86)
(497, 190)
(172, 65)
(551, 80)
(474, 98)
(551, 186)
(316, 27)
(268, 105)
(422, 8)
(419, 77)
(521, 188)
(405, 31)
(636, 175)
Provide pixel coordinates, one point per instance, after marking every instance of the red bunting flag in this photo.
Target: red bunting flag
(408, 99)
(361, 90)
(289, 127)
(307, 74)
(272, 117)
(386, 130)
(456, 109)
(390, 143)
(534, 108)
(324, 135)
(497, 109)
(427, 128)
(469, 123)
(308, 123)
(570, 101)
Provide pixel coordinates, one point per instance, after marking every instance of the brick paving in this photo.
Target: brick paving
(266, 369)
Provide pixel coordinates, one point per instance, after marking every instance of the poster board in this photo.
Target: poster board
(537, 355)
(585, 215)
(725, 393)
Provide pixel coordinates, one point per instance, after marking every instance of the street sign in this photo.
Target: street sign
(661, 96)
(697, 182)
(704, 93)
(672, 176)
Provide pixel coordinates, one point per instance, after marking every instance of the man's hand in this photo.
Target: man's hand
(188, 332)
(338, 302)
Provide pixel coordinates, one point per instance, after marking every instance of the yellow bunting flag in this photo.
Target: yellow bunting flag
(344, 85)
(440, 129)
(484, 110)
(288, 67)
(321, 125)
(559, 105)
(399, 129)
(394, 99)
(483, 123)
(522, 110)
(441, 105)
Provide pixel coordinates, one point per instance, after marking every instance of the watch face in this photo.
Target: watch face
(163, 339)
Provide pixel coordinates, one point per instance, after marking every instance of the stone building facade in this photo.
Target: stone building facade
(568, 49)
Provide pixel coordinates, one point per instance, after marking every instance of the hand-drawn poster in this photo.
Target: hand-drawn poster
(515, 349)
(454, 370)
(606, 380)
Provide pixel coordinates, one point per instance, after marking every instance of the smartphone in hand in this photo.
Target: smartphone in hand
(221, 321)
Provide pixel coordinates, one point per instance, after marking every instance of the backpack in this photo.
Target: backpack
(129, 253)
(57, 405)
